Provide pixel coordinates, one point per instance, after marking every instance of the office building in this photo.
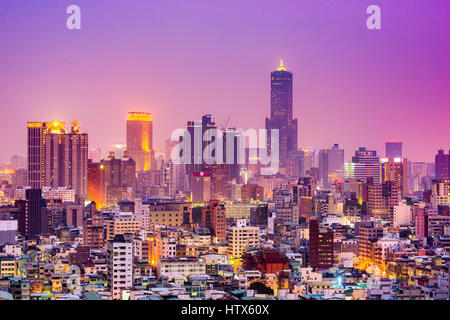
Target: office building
(365, 166)
(140, 140)
(281, 113)
(120, 266)
(57, 157)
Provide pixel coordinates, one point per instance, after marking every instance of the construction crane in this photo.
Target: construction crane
(224, 125)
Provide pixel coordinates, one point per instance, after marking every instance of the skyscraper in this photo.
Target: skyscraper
(97, 183)
(395, 170)
(320, 245)
(442, 164)
(393, 149)
(33, 218)
(140, 140)
(281, 116)
(365, 164)
(331, 165)
(57, 158)
(120, 266)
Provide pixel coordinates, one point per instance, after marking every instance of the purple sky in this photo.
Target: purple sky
(180, 58)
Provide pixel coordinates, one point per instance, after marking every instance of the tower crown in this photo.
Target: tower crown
(281, 67)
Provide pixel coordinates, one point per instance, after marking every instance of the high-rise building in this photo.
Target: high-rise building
(240, 237)
(173, 177)
(321, 253)
(97, 183)
(123, 223)
(201, 186)
(281, 113)
(57, 158)
(382, 198)
(33, 218)
(442, 165)
(331, 165)
(402, 214)
(120, 266)
(120, 178)
(393, 149)
(368, 234)
(365, 165)
(214, 217)
(93, 233)
(395, 170)
(140, 140)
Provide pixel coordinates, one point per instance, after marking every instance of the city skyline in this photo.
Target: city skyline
(383, 72)
(242, 152)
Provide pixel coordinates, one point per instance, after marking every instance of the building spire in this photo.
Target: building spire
(281, 67)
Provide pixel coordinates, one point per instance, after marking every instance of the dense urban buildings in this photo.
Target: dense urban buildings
(138, 225)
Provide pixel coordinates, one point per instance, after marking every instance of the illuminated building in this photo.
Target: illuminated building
(93, 235)
(395, 170)
(140, 140)
(172, 177)
(241, 237)
(214, 217)
(393, 149)
(7, 266)
(284, 206)
(123, 223)
(120, 178)
(158, 211)
(402, 214)
(321, 252)
(57, 158)
(281, 115)
(97, 184)
(238, 210)
(365, 165)
(368, 234)
(422, 220)
(187, 266)
(196, 130)
(120, 266)
(381, 199)
(331, 165)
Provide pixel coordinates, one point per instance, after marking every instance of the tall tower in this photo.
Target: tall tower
(281, 117)
(35, 154)
(140, 140)
(57, 158)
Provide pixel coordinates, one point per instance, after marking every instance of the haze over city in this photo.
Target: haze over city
(181, 59)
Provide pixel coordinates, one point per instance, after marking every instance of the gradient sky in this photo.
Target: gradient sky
(179, 59)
